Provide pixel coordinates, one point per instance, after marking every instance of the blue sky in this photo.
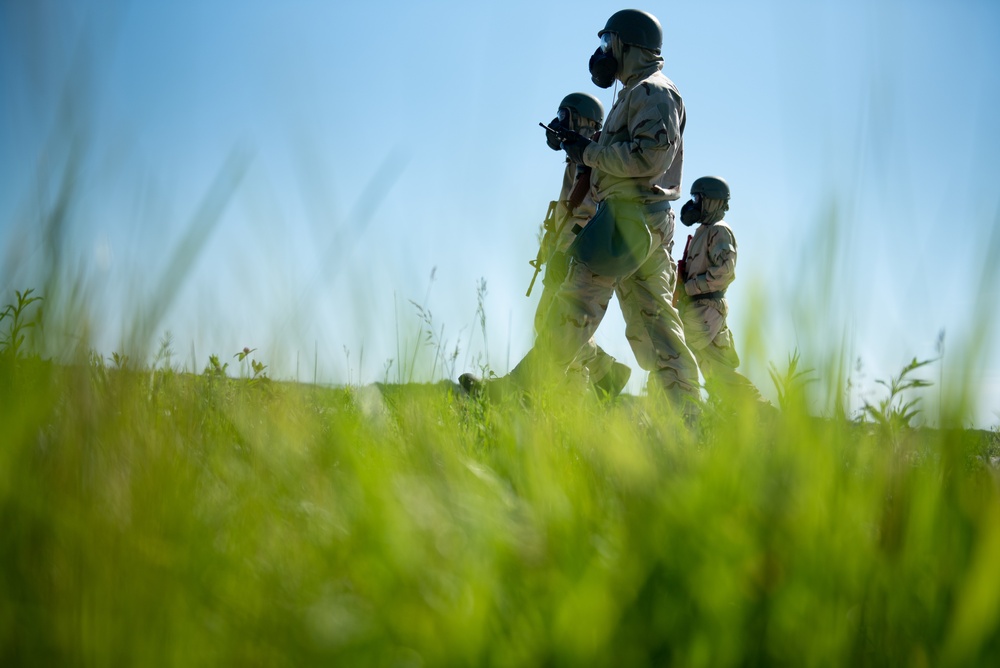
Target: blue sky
(382, 143)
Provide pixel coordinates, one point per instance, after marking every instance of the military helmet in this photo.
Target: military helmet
(712, 187)
(635, 27)
(585, 105)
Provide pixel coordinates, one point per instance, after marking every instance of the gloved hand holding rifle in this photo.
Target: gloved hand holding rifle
(572, 142)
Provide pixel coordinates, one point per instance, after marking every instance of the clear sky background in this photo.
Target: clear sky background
(298, 176)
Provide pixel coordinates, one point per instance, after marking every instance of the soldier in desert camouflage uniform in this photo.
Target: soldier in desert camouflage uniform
(584, 114)
(706, 270)
(636, 162)
(581, 113)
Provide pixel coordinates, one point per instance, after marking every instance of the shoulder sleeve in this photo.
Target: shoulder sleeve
(721, 270)
(648, 148)
(722, 246)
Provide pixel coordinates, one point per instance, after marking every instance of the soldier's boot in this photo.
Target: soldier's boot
(471, 383)
(690, 411)
(683, 403)
(494, 389)
(613, 382)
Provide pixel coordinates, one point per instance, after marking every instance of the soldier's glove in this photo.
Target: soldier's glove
(575, 144)
(551, 138)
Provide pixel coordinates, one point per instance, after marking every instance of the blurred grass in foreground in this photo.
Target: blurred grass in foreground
(152, 517)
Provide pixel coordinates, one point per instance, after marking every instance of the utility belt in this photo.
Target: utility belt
(653, 207)
(657, 207)
(718, 294)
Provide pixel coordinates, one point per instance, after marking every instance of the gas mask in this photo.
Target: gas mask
(603, 64)
(704, 210)
(691, 211)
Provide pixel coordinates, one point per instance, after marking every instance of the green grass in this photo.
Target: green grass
(152, 517)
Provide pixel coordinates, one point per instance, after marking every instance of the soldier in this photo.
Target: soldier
(581, 113)
(706, 270)
(625, 248)
(584, 114)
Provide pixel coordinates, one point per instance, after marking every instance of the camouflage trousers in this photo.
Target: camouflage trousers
(652, 325)
(591, 357)
(710, 340)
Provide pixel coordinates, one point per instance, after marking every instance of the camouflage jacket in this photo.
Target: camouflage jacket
(641, 149)
(710, 263)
